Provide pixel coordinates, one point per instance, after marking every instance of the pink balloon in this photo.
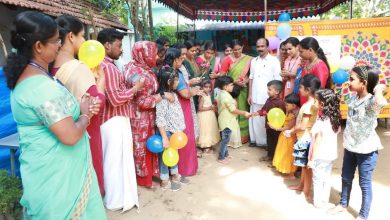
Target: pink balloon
(274, 43)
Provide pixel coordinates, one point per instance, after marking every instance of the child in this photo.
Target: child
(169, 119)
(227, 118)
(361, 142)
(208, 124)
(323, 145)
(235, 138)
(283, 160)
(306, 118)
(274, 101)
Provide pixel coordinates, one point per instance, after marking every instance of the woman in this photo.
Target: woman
(59, 181)
(208, 63)
(291, 65)
(79, 80)
(227, 50)
(143, 112)
(190, 62)
(316, 62)
(237, 66)
(282, 53)
(188, 162)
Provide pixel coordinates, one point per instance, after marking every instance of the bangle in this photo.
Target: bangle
(85, 115)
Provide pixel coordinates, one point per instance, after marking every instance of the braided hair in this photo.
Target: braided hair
(331, 107)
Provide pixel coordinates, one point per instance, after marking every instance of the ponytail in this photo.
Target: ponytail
(30, 27)
(321, 56)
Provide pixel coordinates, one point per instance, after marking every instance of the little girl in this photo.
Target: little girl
(361, 142)
(227, 118)
(235, 138)
(283, 160)
(323, 148)
(306, 118)
(169, 119)
(208, 125)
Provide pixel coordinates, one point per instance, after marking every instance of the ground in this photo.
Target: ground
(248, 189)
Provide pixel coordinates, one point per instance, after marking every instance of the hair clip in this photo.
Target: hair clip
(364, 71)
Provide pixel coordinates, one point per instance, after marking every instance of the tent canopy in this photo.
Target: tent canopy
(250, 10)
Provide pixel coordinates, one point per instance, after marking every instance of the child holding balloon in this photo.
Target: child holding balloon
(274, 101)
(169, 119)
(284, 160)
(306, 118)
(227, 116)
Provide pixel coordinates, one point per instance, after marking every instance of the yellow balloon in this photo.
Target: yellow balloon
(92, 53)
(276, 117)
(170, 157)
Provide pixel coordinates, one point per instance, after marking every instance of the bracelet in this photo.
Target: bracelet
(85, 115)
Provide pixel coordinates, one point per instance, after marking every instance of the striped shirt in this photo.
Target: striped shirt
(118, 92)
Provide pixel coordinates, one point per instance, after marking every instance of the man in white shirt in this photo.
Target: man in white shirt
(264, 68)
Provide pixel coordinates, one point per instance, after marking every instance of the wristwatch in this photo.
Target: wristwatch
(162, 94)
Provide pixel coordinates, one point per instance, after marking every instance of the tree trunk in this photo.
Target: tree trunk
(150, 20)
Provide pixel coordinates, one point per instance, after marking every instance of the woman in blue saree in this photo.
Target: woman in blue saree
(59, 181)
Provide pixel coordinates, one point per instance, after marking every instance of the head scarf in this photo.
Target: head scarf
(144, 54)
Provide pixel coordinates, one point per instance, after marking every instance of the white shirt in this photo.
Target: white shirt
(262, 71)
(327, 148)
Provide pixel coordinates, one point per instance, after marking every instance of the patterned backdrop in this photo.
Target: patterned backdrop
(368, 49)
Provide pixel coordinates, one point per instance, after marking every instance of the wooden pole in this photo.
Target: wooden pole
(265, 11)
(177, 20)
(151, 20)
(136, 20)
(350, 9)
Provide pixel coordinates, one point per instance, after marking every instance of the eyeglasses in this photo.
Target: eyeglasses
(56, 41)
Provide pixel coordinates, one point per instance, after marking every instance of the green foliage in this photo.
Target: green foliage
(11, 192)
(168, 31)
(361, 9)
(112, 8)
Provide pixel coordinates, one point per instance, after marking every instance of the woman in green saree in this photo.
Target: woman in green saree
(237, 66)
(59, 181)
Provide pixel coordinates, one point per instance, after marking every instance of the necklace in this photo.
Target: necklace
(36, 65)
(310, 66)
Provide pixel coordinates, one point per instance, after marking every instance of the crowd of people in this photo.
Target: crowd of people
(83, 132)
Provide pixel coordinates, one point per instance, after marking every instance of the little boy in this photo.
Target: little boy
(227, 116)
(274, 101)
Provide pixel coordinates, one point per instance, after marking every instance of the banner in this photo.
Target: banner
(367, 40)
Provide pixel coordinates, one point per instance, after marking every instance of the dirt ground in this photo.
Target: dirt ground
(248, 189)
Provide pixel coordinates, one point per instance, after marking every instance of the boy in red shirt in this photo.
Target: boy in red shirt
(274, 101)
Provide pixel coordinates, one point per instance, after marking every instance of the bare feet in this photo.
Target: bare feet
(289, 176)
(296, 187)
(336, 210)
(224, 161)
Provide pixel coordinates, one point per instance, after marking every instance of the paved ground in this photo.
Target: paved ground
(248, 189)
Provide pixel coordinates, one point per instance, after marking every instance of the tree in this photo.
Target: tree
(361, 9)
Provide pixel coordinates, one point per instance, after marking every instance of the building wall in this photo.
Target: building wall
(6, 24)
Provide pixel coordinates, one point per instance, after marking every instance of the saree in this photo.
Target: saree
(78, 78)
(58, 180)
(239, 70)
(188, 162)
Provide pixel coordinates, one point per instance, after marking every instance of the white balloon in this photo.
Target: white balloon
(347, 62)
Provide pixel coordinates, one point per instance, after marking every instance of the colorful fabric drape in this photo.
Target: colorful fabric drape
(143, 112)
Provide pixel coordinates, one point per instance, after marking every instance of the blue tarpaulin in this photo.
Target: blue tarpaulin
(7, 123)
